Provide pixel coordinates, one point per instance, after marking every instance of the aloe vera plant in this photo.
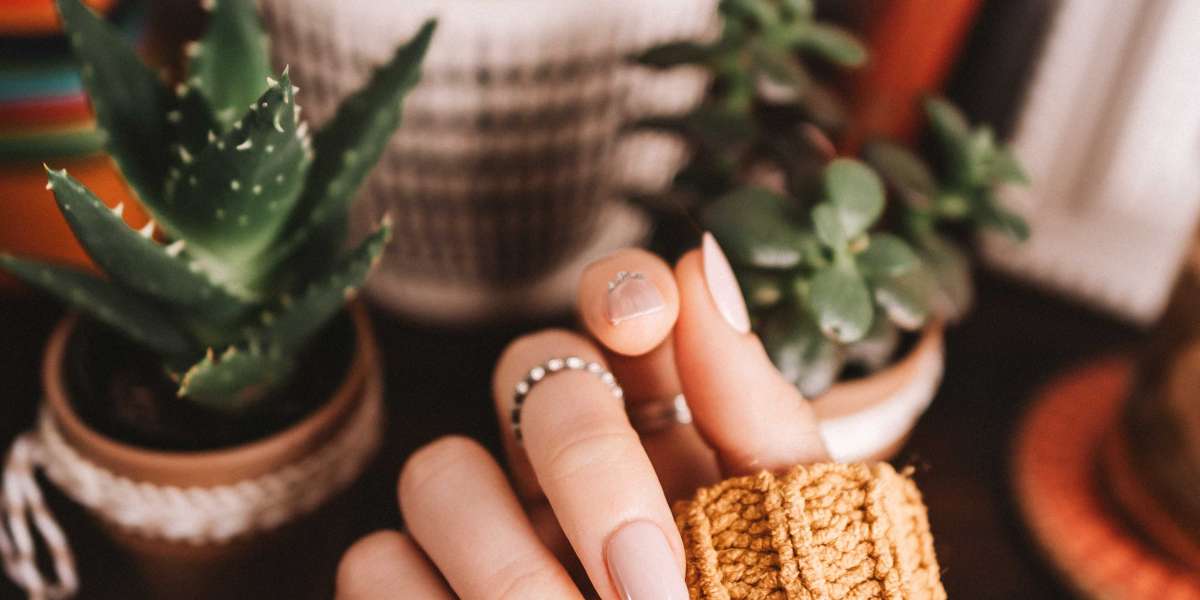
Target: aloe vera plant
(831, 267)
(242, 262)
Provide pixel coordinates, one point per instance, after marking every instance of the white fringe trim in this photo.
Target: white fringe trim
(194, 515)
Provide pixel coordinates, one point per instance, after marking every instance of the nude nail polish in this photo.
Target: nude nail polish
(631, 295)
(723, 285)
(642, 565)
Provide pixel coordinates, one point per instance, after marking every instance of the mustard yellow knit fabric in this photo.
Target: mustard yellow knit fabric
(823, 531)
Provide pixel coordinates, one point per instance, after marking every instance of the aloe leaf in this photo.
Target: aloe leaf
(348, 146)
(232, 199)
(803, 355)
(856, 192)
(886, 256)
(295, 319)
(128, 98)
(833, 44)
(229, 63)
(754, 227)
(841, 303)
(237, 379)
(191, 119)
(136, 260)
(136, 318)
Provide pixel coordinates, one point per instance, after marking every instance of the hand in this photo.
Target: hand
(591, 491)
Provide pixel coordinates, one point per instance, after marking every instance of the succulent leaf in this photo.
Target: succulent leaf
(841, 302)
(229, 63)
(128, 98)
(905, 297)
(857, 194)
(237, 379)
(876, 348)
(951, 268)
(754, 227)
(803, 355)
(833, 44)
(294, 320)
(904, 170)
(947, 121)
(349, 145)
(761, 289)
(1005, 168)
(886, 256)
(781, 68)
(989, 213)
(138, 319)
(828, 226)
(233, 198)
(675, 54)
(158, 271)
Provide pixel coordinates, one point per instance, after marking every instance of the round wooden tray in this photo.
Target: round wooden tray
(1055, 474)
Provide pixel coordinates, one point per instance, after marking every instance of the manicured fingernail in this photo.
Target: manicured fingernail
(723, 285)
(642, 565)
(630, 296)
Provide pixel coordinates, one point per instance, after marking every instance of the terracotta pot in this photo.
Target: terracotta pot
(273, 561)
(869, 419)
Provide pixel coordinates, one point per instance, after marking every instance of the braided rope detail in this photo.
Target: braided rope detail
(195, 515)
(216, 514)
(824, 531)
(22, 499)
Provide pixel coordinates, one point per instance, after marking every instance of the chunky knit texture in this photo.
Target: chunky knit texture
(824, 531)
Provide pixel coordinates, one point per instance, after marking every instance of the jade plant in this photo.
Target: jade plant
(758, 81)
(836, 255)
(242, 262)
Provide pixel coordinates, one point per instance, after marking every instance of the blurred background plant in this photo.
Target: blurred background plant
(836, 256)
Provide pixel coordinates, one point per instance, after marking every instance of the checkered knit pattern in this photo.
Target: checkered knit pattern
(505, 156)
(825, 531)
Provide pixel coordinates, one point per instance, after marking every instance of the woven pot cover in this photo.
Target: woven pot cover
(505, 158)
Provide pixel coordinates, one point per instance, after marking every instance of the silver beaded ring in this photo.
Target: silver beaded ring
(559, 365)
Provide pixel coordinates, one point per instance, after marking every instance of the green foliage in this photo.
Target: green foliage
(758, 65)
(244, 202)
(830, 269)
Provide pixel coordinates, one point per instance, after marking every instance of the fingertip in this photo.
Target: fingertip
(741, 404)
(628, 301)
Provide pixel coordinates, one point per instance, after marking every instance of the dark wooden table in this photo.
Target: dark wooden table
(1016, 339)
